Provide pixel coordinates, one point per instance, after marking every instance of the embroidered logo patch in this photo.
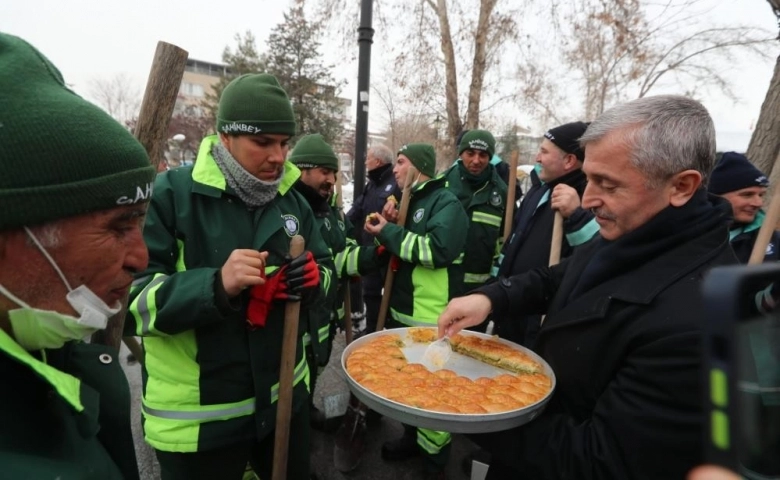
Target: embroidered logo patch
(290, 225)
(418, 215)
(388, 188)
(495, 199)
(341, 225)
(327, 224)
(770, 249)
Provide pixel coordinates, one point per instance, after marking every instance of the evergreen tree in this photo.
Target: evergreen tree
(293, 58)
(244, 59)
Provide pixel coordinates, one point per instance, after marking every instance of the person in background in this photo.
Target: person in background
(74, 186)
(623, 313)
(482, 193)
(558, 187)
(427, 276)
(319, 166)
(744, 186)
(210, 306)
(380, 186)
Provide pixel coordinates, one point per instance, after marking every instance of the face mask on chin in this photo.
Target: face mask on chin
(35, 329)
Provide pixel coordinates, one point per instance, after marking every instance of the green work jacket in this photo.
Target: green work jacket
(485, 205)
(64, 413)
(429, 247)
(210, 380)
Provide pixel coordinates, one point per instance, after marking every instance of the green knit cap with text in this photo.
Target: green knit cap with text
(422, 156)
(312, 151)
(255, 103)
(478, 140)
(60, 156)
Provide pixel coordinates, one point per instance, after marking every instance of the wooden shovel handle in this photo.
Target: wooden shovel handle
(510, 195)
(289, 348)
(767, 228)
(384, 306)
(557, 240)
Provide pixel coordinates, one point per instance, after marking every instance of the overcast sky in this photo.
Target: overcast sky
(90, 39)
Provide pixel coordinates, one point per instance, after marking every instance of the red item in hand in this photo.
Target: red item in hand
(301, 275)
(380, 250)
(395, 263)
(261, 298)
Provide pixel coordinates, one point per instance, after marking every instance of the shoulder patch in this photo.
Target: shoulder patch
(342, 226)
(418, 215)
(291, 225)
(495, 199)
(327, 223)
(770, 249)
(388, 188)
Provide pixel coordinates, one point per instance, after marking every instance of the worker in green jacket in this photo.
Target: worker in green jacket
(74, 187)
(319, 166)
(474, 180)
(211, 304)
(428, 256)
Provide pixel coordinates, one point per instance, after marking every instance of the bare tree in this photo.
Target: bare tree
(616, 50)
(118, 95)
(449, 47)
(764, 146)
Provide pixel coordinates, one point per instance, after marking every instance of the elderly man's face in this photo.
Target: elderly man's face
(617, 192)
(261, 155)
(372, 163)
(553, 161)
(746, 203)
(101, 250)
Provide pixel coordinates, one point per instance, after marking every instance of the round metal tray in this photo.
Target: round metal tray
(465, 366)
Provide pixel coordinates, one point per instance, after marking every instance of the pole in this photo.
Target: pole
(289, 347)
(365, 39)
(162, 87)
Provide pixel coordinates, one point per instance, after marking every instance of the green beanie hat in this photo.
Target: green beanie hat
(255, 103)
(312, 151)
(422, 156)
(478, 140)
(60, 156)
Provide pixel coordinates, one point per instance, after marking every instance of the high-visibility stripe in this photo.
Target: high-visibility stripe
(425, 252)
(205, 413)
(141, 280)
(459, 260)
(482, 217)
(323, 333)
(352, 261)
(407, 320)
(301, 372)
(588, 231)
(407, 247)
(325, 278)
(144, 307)
(476, 277)
(432, 441)
(306, 339)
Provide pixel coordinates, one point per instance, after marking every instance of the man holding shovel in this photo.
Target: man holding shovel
(427, 257)
(211, 304)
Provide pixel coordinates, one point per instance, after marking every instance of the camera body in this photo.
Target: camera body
(742, 371)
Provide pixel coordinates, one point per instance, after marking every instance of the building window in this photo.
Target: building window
(192, 89)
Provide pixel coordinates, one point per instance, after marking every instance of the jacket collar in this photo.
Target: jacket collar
(67, 386)
(206, 172)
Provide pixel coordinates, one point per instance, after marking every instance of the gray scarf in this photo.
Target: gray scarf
(254, 192)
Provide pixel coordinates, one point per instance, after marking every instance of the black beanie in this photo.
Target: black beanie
(567, 138)
(735, 172)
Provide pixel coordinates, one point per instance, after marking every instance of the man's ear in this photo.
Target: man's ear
(571, 162)
(225, 139)
(682, 187)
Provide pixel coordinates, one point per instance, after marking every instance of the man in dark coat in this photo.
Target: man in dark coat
(744, 186)
(381, 185)
(624, 319)
(557, 187)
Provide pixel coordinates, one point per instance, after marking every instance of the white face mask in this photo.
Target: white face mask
(35, 329)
